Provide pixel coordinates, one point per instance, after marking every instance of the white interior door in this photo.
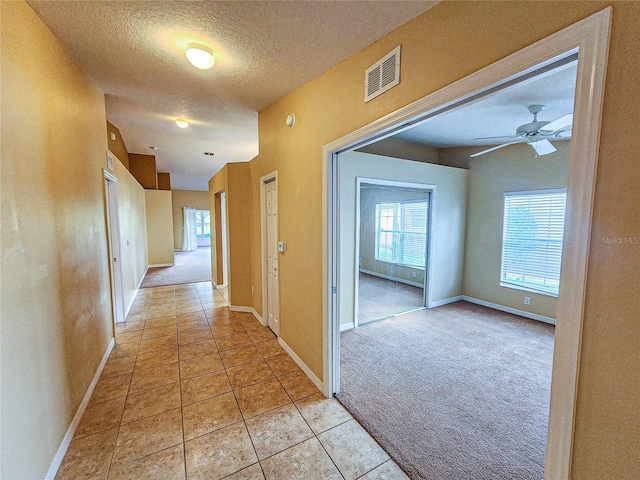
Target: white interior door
(273, 296)
(113, 232)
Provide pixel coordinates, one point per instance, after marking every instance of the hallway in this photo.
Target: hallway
(192, 390)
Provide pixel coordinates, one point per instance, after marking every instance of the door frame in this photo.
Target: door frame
(114, 247)
(590, 38)
(264, 180)
(431, 189)
(224, 238)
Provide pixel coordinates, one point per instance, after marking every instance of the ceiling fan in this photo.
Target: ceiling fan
(536, 134)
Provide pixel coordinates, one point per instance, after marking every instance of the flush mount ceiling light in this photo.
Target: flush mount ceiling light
(290, 121)
(200, 56)
(182, 123)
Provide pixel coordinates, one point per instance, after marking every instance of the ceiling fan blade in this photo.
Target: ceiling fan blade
(492, 149)
(543, 147)
(559, 124)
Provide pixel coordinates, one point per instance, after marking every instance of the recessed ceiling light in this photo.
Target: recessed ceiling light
(182, 123)
(200, 56)
(210, 154)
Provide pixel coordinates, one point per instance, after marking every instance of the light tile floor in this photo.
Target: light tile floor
(195, 391)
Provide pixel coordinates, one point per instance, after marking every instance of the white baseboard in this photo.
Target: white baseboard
(316, 381)
(446, 301)
(515, 311)
(155, 265)
(347, 326)
(389, 277)
(240, 308)
(66, 441)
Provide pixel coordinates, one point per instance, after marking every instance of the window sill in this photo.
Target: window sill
(530, 290)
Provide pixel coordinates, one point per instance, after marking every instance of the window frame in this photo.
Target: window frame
(524, 286)
(398, 234)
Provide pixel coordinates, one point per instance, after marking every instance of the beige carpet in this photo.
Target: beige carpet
(380, 298)
(190, 267)
(457, 392)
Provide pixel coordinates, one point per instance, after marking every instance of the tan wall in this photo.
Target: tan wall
(164, 181)
(133, 232)
(117, 146)
(446, 43)
(506, 170)
(185, 198)
(369, 197)
(143, 167)
(447, 236)
(217, 184)
(159, 226)
(55, 290)
(392, 147)
(235, 180)
(239, 201)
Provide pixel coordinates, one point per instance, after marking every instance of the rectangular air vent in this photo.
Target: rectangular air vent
(382, 75)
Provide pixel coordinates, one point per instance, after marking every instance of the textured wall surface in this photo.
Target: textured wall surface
(56, 298)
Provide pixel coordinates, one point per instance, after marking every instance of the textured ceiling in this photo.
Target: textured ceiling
(134, 50)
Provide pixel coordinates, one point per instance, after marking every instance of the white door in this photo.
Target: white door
(113, 232)
(273, 297)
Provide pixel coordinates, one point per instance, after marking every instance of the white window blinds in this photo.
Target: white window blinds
(401, 232)
(532, 240)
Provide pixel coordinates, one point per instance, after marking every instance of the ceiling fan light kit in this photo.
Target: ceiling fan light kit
(536, 133)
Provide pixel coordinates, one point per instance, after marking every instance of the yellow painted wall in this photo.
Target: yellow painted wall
(446, 43)
(235, 180)
(117, 146)
(133, 232)
(164, 181)
(185, 198)
(144, 168)
(159, 226)
(55, 290)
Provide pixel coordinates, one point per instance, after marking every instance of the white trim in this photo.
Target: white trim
(155, 265)
(391, 277)
(515, 311)
(68, 437)
(589, 37)
(446, 301)
(347, 326)
(241, 308)
(316, 381)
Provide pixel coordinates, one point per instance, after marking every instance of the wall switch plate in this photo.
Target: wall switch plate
(282, 247)
(527, 300)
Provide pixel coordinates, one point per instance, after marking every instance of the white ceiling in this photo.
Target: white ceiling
(499, 114)
(134, 50)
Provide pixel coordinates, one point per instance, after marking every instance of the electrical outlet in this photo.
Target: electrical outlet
(527, 300)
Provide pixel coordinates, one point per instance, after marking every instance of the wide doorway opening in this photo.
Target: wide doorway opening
(585, 42)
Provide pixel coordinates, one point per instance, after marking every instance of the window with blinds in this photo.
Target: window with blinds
(401, 232)
(532, 240)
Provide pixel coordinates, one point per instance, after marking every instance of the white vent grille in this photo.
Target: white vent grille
(382, 75)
